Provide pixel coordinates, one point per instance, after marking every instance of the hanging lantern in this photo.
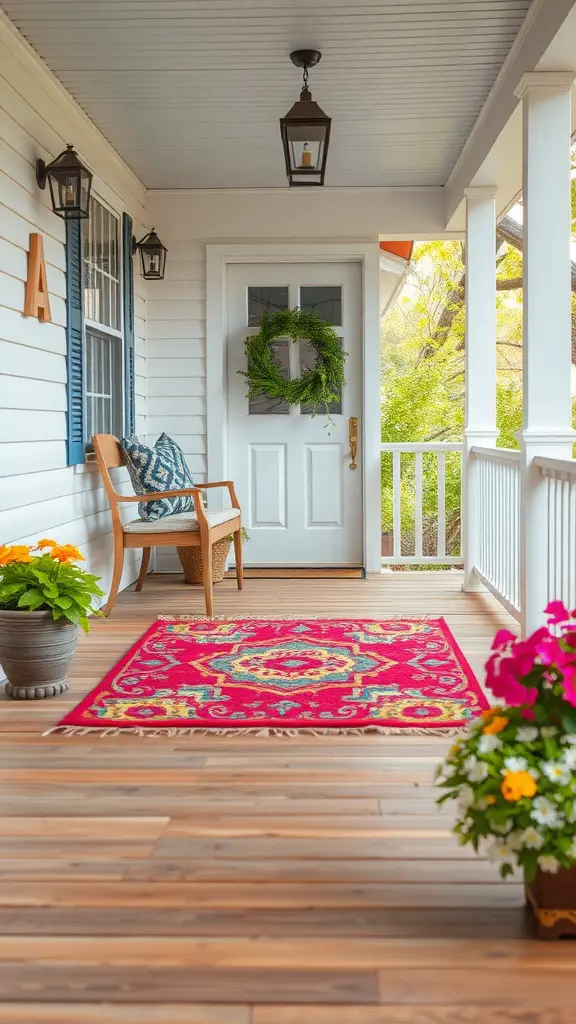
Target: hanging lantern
(305, 130)
(152, 256)
(70, 184)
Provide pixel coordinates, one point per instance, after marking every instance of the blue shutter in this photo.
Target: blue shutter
(129, 356)
(75, 342)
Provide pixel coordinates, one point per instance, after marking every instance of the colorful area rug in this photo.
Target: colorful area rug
(285, 676)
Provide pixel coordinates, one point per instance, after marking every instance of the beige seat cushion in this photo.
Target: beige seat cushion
(180, 523)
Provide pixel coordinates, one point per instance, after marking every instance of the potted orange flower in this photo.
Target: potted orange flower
(44, 599)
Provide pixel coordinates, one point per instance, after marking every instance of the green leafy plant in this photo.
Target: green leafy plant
(46, 578)
(514, 773)
(317, 386)
(245, 536)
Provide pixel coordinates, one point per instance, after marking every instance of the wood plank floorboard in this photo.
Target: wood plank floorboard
(256, 880)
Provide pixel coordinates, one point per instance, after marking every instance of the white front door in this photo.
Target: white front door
(301, 502)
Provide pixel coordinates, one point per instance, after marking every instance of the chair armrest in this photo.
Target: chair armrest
(223, 483)
(186, 492)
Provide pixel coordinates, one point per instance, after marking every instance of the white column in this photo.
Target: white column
(547, 422)
(480, 422)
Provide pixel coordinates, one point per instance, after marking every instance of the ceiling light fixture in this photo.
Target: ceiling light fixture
(305, 130)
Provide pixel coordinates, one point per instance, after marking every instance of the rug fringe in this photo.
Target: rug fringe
(171, 733)
(289, 618)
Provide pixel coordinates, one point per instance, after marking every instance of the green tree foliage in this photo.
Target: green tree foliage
(422, 376)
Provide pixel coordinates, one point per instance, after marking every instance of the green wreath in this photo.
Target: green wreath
(318, 386)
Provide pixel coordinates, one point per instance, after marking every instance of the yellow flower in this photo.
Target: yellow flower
(45, 543)
(14, 553)
(496, 724)
(490, 799)
(487, 715)
(515, 785)
(454, 750)
(66, 553)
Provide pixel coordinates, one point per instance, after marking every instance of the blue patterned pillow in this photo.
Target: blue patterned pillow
(161, 468)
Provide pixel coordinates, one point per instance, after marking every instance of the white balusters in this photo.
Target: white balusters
(418, 506)
(420, 538)
(441, 505)
(499, 509)
(397, 499)
(560, 542)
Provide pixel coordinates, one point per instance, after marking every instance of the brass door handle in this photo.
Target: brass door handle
(353, 440)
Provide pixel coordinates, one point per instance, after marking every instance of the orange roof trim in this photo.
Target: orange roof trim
(402, 249)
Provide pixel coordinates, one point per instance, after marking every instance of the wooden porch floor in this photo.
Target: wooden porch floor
(255, 881)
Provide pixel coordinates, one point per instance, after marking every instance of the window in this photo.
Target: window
(103, 346)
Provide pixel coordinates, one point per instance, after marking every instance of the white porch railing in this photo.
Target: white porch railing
(560, 555)
(420, 534)
(418, 530)
(498, 565)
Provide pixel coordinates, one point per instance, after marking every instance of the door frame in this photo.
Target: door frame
(218, 259)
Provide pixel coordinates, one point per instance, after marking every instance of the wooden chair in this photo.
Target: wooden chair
(200, 528)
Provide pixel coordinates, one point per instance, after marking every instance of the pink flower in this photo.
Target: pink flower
(548, 656)
(557, 613)
(502, 639)
(503, 677)
(549, 650)
(569, 683)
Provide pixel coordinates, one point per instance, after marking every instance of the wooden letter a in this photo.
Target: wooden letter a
(36, 301)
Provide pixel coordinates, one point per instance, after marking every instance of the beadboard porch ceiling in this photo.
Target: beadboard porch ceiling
(189, 92)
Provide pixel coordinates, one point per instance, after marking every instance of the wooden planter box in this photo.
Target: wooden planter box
(191, 561)
(553, 902)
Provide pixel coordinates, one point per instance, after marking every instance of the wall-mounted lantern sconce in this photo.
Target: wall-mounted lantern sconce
(305, 130)
(70, 184)
(152, 256)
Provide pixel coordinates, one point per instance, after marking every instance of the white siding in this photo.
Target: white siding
(39, 494)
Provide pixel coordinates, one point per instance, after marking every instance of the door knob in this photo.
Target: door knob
(353, 440)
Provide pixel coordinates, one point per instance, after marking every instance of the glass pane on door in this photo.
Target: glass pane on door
(271, 299)
(325, 300)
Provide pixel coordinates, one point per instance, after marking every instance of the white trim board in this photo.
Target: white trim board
(218, 257)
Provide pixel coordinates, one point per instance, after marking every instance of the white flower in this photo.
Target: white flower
(503, 828)
(514, 764)
(570, 737)
(479, 772)
(548, 863)
(532, 839)
(527, 734)
(557, 772)
(473, 725)
(569, 757)
(558, 822)
(488, 743)
(500, 853)
(514, 841)
(548, 730)
(545, 813)
(465, 797)
(572, 814)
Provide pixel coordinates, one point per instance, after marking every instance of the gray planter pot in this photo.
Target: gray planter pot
(35, 653)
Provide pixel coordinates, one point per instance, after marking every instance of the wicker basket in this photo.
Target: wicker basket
(191, 561)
